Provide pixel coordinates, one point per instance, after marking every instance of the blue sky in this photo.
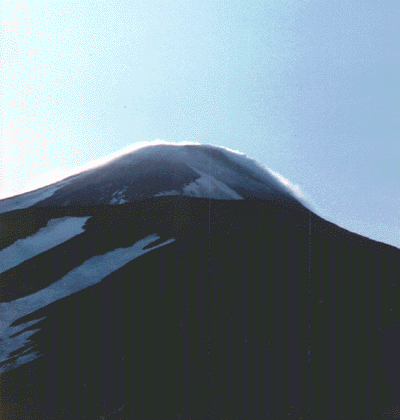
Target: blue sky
(309, 88)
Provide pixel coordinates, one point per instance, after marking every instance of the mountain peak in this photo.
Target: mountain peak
(160, 168)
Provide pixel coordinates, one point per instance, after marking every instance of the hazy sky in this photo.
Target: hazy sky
(309, 88)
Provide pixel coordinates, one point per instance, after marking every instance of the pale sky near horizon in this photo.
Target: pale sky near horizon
(308, 88)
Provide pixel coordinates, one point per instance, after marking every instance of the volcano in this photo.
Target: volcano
(189, 282)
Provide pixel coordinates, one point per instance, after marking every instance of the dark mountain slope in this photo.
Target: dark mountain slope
(257, 309)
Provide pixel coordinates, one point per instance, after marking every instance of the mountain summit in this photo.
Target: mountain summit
(189, 282)
(158, 169)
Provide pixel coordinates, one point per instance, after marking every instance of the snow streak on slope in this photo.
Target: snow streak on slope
(56, 232)
(205, 186)
(208, 186)
(118, 197)
(89, 273)
(28, 199)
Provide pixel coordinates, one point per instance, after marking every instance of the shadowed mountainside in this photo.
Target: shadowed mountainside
(257, 309)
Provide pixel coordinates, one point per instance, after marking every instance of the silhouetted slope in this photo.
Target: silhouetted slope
(258, 309)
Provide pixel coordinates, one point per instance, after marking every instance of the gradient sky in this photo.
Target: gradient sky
(309, 88)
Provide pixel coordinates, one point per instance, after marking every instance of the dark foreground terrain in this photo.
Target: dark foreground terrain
(257, 310)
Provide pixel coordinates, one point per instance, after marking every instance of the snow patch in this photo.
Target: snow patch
(172, 192)
(56, 232)
(118, 197)
(89, 273)
(209, 187)
(118, 201)
(23, 201)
